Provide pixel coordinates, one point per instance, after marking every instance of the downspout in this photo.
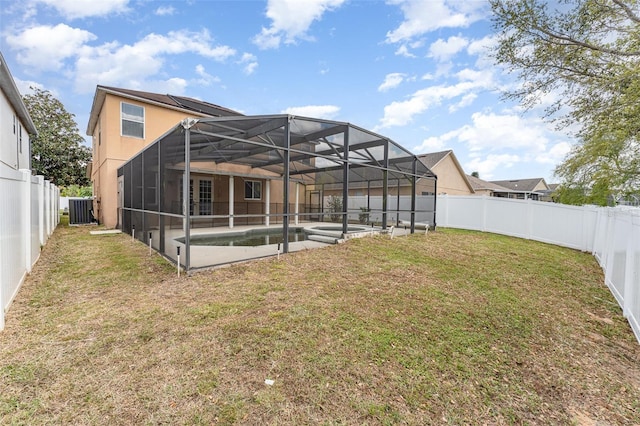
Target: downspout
(435, 199)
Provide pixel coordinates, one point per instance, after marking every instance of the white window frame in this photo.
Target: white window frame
(253, 191)
(133, 119)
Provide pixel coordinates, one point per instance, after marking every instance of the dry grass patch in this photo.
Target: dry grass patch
(455, 327)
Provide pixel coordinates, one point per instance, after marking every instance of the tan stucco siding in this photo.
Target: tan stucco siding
(450, 179)
(111, 149)
(541, 186)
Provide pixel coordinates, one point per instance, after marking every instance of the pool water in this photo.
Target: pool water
(251, 238)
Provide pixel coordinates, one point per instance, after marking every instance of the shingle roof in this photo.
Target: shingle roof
(184, 103)
(178, 101)
(519, 184)
(479, 184)
(433, 158)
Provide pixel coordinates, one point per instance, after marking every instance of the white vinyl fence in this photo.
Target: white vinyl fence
(28, 216)
(612, 235)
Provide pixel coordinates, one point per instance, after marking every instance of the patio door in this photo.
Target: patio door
(205, 201)
(314, 205)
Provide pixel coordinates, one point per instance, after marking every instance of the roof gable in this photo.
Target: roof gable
(8, 87)
(433, 158)
(180, 103)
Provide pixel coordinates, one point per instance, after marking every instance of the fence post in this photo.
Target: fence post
(483, 212)
(47, 218)
(25, 207)
(41, 209)
(630, 285)
(444, 204)
(529, 218)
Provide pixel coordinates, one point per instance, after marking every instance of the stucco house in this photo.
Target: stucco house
(125, 122)
(519, 189)
(17, 126)
(122, 122)
(452, 179)
(483, 187)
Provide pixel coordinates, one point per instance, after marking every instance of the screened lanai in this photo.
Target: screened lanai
(307, 179)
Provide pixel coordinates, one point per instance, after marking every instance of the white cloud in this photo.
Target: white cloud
(421, 17)
(404, 51)
(499, 131)
(130, 65)
(483, 78)
(165, 11)
(498, 141)
(391, 81)
(400, 113)
(431, 144)
(75, 9)
(316, 111)
(464, 102)
(45, 47)
(487, 165)
(250, 63)
(291, 20)
(205, 79)
(24, 86)
(483, 45)
(443, 50)
(556, 154)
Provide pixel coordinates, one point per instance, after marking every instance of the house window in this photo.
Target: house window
(252, 190)
(20, 138)
(132, 120)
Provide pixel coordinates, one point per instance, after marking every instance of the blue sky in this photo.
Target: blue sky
(417, 71)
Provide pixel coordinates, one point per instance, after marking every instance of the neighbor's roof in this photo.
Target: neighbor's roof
(8, 86)
(520, 184)
(433, 158)
(175, 102)
(479, 184)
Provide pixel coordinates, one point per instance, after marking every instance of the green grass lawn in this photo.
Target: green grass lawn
(454, 327)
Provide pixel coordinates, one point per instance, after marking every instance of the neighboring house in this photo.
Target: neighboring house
(17, 126)
(549, 194)
(482, 187)
(522, 189)
(452, 179)
(122, 123)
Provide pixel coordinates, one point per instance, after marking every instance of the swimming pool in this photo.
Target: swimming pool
(250, 238)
